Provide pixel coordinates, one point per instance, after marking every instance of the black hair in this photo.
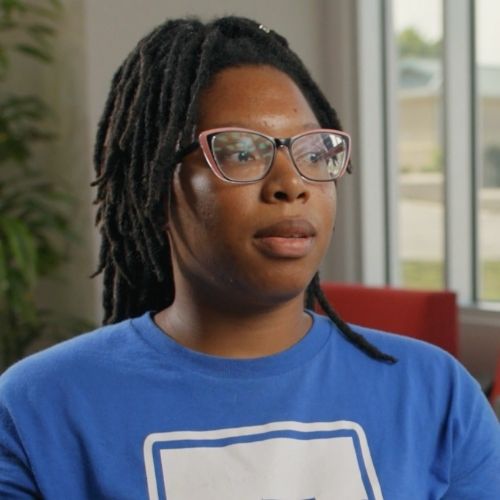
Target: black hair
(150, 115)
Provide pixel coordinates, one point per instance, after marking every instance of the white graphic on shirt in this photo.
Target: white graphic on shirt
(276, 461)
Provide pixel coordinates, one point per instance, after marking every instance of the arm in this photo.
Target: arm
(16, 479)
(475, 468)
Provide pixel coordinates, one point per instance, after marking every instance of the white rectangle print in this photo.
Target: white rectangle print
(277, 461)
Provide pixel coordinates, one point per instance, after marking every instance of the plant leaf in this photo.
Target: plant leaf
(22, 248)
(33, 51)
(4, 282)
(40, 30)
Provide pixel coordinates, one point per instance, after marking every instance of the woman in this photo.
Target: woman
(217, 164)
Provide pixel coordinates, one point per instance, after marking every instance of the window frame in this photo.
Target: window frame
(377, 121)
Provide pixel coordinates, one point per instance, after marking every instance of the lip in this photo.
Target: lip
(292, 238)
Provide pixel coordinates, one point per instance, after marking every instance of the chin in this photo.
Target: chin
(284, 289)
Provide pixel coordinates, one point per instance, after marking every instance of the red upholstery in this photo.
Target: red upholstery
(427, 315)
(495, 391)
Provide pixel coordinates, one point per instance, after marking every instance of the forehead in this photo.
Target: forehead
(252, 96)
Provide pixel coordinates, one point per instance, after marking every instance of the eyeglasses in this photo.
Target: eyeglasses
(244, 156)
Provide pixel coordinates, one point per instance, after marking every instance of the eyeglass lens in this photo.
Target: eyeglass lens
(247, 156)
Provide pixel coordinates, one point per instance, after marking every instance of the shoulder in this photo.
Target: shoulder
(403, 348)
(441, 396)
(426, 376)
(406, 349)
(78, 355)
(420, 366)
(426, 365)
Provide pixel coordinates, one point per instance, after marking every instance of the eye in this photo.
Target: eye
(236, 149)
(314, 157)
(241, 156)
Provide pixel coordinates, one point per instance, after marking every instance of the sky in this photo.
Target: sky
(426, 17)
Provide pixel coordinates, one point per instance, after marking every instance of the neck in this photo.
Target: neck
(235, 333)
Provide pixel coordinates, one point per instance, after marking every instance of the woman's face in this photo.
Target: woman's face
(250, 245)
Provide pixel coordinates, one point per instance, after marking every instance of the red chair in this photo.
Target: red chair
(426, 315)
(495, 390)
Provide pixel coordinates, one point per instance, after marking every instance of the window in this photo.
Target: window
(429, 130)
(487, 78)
(417, 37)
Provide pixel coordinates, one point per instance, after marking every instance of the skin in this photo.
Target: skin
(233, 298)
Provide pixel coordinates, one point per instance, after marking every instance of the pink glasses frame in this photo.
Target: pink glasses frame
(203, 139)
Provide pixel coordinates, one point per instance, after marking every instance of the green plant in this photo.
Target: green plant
(436, 162)
(33, 222)
(411, 43)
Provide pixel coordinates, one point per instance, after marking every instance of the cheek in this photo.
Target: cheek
(205, 211)
(327, 196)
(216, 207)
(192, 200)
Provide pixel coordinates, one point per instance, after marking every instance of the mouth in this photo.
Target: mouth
(290, 239)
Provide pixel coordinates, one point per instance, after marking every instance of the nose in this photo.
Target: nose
(283, 183)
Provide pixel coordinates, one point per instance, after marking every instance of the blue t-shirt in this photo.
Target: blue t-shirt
(125, 413)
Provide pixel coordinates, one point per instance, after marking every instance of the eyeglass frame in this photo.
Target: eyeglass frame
(286, 142)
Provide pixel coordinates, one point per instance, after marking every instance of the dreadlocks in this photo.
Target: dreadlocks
(149, 116)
